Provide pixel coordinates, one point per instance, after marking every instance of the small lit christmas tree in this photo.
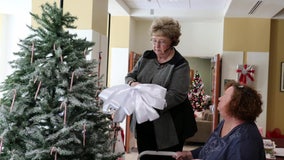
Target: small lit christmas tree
(49, 108)
(196, 94)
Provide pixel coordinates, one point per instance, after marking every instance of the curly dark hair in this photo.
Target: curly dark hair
(246, 103)
(168, 27)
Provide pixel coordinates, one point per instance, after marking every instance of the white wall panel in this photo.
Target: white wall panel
(230, 62)
(13, 28)
(261, 62)
(201, 39)
(118, 67)
(198, 39)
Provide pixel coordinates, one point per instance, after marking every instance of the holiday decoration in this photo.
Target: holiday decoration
(49, 108)
(196, 94)
(245, 73)
(141, 100)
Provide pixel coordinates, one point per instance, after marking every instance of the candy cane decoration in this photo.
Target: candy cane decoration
(84, 134)
(65, 110)
(38, 88)
(53, 149)
(54, 49)
(61, 58)
(35, 79)
(1, 143)
(72, 79)
(13, 101)
(32, 56)
(84, 53)
(99, 67)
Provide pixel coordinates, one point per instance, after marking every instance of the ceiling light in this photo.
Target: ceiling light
(151, 11)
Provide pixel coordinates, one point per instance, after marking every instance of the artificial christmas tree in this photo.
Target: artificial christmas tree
(196, 94)
(49, 108)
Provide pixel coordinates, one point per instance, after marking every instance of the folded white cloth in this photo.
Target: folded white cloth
(122, 100)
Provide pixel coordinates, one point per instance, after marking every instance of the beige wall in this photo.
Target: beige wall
(36, 8)
(142, 36)
(119, 33)
(91, 14)
(82, 10)
(275, 118)
(100, 16)
(246, 34)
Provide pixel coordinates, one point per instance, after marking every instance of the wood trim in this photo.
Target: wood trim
(133, 58)
(127, 135)
(191, 75)
(127, 127)
(216, 89)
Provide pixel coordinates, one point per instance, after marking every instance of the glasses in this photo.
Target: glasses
(160, 42)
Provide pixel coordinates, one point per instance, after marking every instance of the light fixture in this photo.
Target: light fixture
(256, 5)
(151, 11)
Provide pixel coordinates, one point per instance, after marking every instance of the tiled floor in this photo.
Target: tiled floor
(133, 155)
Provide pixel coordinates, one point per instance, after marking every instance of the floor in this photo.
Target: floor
(133, 155)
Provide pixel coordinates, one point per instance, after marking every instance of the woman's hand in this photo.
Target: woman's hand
(134, 84)
(185, 155)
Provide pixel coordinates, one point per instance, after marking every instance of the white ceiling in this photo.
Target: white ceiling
(197, 9)
(180, 9)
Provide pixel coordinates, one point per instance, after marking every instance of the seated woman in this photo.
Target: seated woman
(236, 137)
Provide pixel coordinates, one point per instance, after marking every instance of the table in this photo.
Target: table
(279, 144)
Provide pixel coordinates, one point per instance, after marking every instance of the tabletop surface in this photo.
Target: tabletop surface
(279, 144)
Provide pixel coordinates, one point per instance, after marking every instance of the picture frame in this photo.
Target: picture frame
(282, 77)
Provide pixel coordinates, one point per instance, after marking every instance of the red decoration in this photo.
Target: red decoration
(275, 133)
(245, 72)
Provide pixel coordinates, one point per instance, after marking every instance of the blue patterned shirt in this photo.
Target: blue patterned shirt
(244, 142)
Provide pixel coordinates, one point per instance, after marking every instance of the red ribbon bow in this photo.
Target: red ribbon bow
(245, 71)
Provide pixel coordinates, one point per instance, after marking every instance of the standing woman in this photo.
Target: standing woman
(237, 137)
(164, 66)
